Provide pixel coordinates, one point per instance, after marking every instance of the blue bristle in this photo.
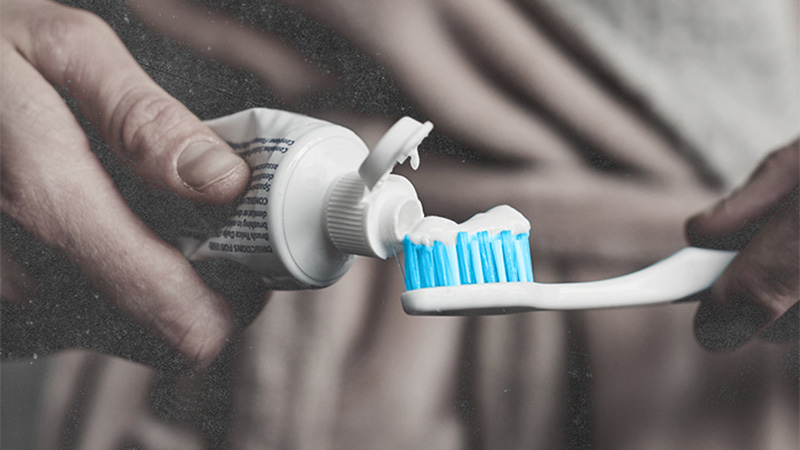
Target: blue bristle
(427, 274)
(462, 249)
(487, 257)
(509, 255)
(497, 258)
(411, 263)
(526, 253)
(443, 270)
(475, 265)
(519, 257)
(475, 258)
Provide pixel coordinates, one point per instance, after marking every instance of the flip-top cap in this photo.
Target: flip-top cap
(397, 145)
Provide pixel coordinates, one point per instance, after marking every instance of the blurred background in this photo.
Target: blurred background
(606, 123)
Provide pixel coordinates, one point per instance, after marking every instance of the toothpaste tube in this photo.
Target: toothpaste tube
(317, 197)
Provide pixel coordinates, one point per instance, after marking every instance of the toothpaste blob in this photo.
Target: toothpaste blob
(488, 248)
(495, 220)
(432, 229)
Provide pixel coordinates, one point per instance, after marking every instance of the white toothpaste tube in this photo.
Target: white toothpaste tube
(317, 196)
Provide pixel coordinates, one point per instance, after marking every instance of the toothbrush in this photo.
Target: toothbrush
(490, 272)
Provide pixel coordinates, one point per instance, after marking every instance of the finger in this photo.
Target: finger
(757, 288)
(157, 135)
(732, 222)
(516, 52)
(224, 39)
(54, 186)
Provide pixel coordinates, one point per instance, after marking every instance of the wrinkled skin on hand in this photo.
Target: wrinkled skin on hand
(55, 187)
(758, 293)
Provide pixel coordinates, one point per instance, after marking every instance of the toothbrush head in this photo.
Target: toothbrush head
(490, 247)
(481, 264)
(470, 268)
(482, 257)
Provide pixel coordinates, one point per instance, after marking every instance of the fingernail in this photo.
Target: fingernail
(204, 163)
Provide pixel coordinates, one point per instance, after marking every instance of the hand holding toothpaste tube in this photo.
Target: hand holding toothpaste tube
(759, 291)
(57, 189)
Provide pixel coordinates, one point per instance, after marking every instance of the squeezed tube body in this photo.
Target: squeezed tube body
(278, 229)
(293, 223)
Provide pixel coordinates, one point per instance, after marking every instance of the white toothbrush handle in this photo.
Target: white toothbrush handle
(686, 272)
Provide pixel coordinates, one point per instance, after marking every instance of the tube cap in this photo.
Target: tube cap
(398, 144)
(370, 212)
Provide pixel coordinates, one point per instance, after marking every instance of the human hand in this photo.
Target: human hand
(54, 186)
(759, 291)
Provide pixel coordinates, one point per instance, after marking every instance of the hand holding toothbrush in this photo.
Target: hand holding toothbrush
(759, 291)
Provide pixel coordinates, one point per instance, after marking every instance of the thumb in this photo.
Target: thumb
(156, 135)
(735, 220)
(761, 284)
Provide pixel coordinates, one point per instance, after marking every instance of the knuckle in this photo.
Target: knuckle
(62, 36)
(194, 337)
(145, 118)
(202, 351)
(773, 290)
(34, 206)
(199, 331)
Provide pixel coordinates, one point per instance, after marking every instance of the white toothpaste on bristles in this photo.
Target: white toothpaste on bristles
(500, 218)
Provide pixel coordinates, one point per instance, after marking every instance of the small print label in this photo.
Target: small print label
(247, 230)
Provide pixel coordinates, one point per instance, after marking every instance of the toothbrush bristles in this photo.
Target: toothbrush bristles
(475, 258)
